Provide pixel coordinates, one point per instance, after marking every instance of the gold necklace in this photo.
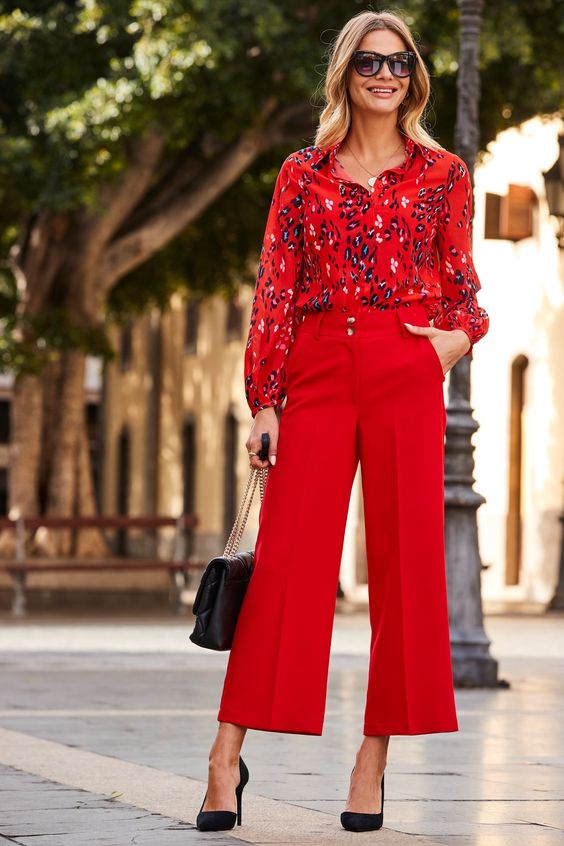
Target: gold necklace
(373, 178)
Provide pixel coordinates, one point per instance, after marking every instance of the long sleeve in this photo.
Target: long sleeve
(271, 331)
(459, 308)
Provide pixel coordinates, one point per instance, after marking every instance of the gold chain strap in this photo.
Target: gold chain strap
(257, 474)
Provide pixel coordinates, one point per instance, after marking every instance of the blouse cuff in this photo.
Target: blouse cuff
(255, 410)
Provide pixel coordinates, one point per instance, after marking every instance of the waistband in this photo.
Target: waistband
(363, 321)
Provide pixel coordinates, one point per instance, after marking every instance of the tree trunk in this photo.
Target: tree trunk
(90, 543)
(66, 460)
(25, 446)
(25, 453)
(70, 489)
(50, 378)
(67, 424)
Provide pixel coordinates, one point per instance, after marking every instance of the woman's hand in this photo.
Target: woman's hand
(264, 421)
(450, 344)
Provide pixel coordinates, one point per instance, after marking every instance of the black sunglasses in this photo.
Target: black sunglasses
(367, 63)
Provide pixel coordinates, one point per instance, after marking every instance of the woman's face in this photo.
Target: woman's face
(393, 88)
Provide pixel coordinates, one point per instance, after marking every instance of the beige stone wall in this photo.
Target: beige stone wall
(204, 385)
(126, 398)
(213, 385)
(523, 291)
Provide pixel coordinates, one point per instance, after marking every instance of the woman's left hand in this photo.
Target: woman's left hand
(450, 344)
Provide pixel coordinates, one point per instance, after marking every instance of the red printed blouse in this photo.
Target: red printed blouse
(329, 241)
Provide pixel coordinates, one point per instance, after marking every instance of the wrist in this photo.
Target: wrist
(465, 340)
(266, 408)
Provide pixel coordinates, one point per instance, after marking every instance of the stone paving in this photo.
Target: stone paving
(91, 710)
(37, 812)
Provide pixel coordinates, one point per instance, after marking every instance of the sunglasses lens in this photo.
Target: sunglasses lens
(400, 64)
(366, 66)
(369, 64)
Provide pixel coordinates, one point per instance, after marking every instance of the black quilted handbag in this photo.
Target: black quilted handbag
(224, 582)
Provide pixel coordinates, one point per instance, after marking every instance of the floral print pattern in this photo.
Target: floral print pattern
(331, 243)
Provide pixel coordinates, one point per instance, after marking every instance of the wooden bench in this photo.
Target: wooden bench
(178, 567)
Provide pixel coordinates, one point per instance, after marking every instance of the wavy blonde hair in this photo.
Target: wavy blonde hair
(335, 119)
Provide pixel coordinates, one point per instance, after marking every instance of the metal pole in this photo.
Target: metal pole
(472, 663)
(557, 601)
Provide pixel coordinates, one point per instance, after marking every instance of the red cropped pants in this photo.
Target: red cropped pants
(360, 387)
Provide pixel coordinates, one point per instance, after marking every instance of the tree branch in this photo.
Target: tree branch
(116, 201)
(37, 257)
(173, 182)
(174, 210)
(286, 127)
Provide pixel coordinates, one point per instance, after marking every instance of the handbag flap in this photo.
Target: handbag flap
(222, 568)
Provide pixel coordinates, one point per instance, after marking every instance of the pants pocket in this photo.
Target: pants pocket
(435, 356)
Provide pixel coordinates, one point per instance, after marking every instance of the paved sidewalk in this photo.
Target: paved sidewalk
(115, 721)
(34, 805)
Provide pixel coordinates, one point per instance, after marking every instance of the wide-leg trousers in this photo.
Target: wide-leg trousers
(360, 387)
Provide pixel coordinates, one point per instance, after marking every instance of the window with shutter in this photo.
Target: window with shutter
(510, 216)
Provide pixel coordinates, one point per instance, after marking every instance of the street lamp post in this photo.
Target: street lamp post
(472, 664)
(554, 187)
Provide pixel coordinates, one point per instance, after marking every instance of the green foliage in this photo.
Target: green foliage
(81, 79)
(44, 339)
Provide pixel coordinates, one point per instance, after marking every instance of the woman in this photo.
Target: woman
(368, 239)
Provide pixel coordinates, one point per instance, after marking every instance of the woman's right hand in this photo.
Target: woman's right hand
(264, 421)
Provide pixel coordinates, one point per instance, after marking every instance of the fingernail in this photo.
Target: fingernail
(273, 459)
(408, 324)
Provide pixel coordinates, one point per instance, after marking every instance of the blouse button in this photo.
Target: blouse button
(350, 319)
(350, 331)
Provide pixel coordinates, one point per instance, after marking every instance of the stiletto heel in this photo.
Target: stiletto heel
(239, 806)
(239, 793)
(353, 821)
(223, 820)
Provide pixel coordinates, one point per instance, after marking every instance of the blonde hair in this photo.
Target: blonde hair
(335, 119)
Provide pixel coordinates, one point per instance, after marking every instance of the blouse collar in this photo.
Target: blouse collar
(411, 149)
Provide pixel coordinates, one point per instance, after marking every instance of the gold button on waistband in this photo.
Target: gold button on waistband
(350, 319)
(350, 331)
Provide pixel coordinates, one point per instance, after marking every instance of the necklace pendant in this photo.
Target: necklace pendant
(371, 181)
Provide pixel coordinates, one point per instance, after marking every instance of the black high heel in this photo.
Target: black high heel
(222, 820)
(354, 821)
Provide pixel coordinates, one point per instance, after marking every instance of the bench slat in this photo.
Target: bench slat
(187, 521)
(55, 565)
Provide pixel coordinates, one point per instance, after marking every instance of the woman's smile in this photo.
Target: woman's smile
(382, 91)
